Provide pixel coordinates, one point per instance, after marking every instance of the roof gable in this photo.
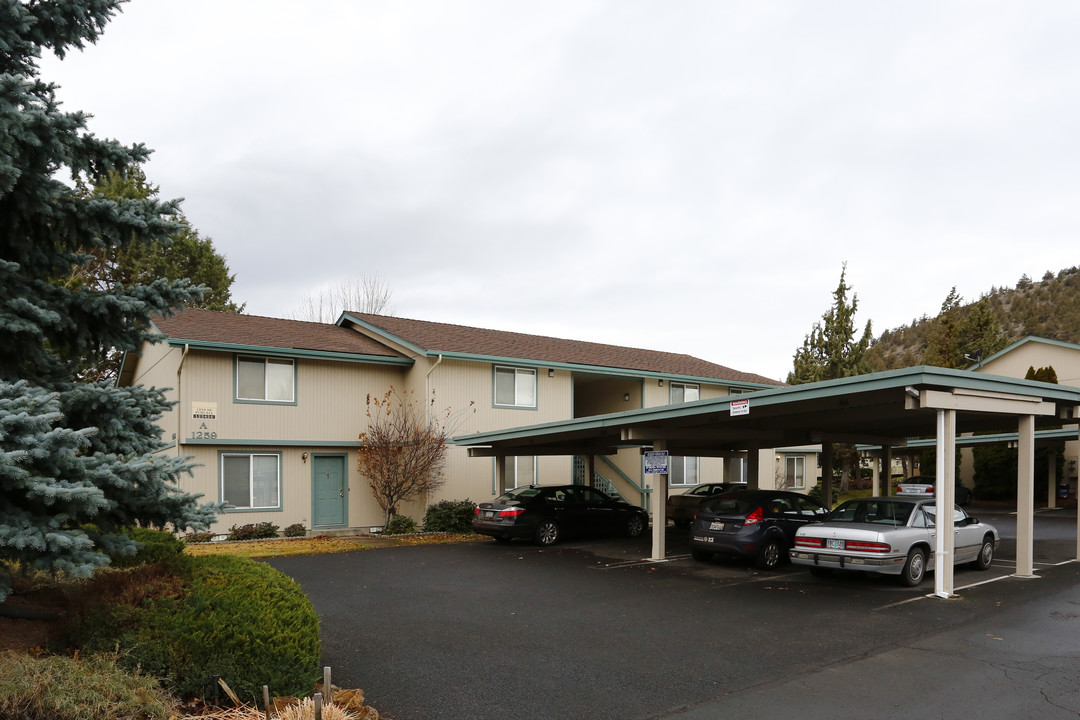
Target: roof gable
(459, 340)
(1030, 339)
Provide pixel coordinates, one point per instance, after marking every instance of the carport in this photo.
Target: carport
(886, 409)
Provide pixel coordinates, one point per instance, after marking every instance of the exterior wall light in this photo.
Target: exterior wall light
(551, 372)
(626, 397)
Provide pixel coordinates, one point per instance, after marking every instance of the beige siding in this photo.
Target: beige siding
(1065, 361)
(330, 401)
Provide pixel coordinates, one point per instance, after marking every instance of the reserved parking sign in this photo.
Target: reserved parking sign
(656, 462)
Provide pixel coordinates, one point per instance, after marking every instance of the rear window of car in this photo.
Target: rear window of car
(881, 512)
(521, 493)
(731, 505)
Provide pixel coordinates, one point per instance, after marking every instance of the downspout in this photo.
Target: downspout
(427, 387)
(179, 404)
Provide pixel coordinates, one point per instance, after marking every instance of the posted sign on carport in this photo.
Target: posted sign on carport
(656, 462)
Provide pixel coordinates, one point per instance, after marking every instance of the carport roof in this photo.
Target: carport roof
(879, 408)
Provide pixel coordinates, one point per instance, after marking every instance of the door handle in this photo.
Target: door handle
(341, 493)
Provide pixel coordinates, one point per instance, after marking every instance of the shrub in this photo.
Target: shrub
(236, 618)
(92, 688)
(296, 530)
(815, 494)
(198, 537)
(451, 516)
(154, 546)
(400, 525)
(250, 531)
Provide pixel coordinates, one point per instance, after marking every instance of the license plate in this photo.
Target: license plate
(489, 513)
(716, 526)
(834, 544)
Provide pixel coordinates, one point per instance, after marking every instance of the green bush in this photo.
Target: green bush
(233, 617)
(154, 546)
(92, 688)
(815, 494)
(198, 537)
(296, 530)
(251, 531)
(451, 516)
(400, 525)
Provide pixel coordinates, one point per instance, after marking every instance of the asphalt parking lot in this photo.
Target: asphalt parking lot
(588, 629)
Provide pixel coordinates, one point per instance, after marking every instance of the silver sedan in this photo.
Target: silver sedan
(891, 535)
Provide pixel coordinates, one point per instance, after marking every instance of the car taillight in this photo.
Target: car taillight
(808, 542)
(754, 518)
(511, 512)
(867, 546)
(477, 510)
(929, 489)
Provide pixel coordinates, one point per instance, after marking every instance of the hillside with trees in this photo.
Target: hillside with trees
(1048, 308)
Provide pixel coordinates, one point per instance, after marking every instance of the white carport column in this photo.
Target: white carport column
(1025, 498)
(1051, 482)
(659, 509)
(945, 500)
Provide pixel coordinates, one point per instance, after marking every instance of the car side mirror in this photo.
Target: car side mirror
(972, 520)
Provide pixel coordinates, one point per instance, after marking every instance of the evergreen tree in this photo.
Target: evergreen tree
(185, 254)
(830, 350)
(72, 453)
(943, 345)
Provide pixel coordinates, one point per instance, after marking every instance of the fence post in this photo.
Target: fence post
(266, 701)
(326, 684)
(318, 706)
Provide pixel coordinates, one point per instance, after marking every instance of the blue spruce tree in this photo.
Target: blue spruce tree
(72, 454)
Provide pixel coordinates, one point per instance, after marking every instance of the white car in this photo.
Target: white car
(923, 486)
(891, 535)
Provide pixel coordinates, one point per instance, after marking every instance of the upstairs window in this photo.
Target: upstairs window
(515, 387)
(265, 379)
(681, 393)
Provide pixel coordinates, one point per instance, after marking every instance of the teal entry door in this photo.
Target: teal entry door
(329, 490)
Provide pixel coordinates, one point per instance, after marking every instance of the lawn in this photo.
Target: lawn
(285, 547)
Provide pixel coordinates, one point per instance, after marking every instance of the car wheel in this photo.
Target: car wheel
(821, 572)
(771, 555)
(635, 526)
(681, 524)
(914, 568)
(701, 555)
(547, 533)
(986, 554)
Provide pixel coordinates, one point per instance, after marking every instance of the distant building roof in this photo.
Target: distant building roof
(434, 338)
(206, 326)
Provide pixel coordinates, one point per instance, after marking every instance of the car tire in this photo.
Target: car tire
(635, 526)
(820, 572)
(771, 555)
(915, 568)
(547, 533)
(701, 555)
(986, 554)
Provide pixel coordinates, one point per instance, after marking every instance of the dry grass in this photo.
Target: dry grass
(323, 544)
(63, 688)
(279, 548)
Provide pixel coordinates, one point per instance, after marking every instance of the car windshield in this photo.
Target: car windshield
(882, 512)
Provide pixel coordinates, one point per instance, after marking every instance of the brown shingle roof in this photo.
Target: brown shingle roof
(441, 337)
(233, 329)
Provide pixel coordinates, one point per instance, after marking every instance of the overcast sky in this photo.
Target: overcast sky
(685, 176)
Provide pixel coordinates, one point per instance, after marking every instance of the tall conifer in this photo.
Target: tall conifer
(72, 453)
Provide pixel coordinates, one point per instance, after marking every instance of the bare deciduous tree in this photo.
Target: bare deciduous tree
(403, 451)
(371, 294)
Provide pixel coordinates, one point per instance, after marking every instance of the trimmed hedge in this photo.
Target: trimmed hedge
(154, 546)
(239, 619)
(450, 516)
(260, 531)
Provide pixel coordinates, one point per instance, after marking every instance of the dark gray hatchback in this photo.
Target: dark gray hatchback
(757, 525)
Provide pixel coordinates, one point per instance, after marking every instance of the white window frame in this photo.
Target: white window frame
(267, 362)
(686, 463)
(687, 389)
(799, 481)
(524, 380)
(251, 506)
